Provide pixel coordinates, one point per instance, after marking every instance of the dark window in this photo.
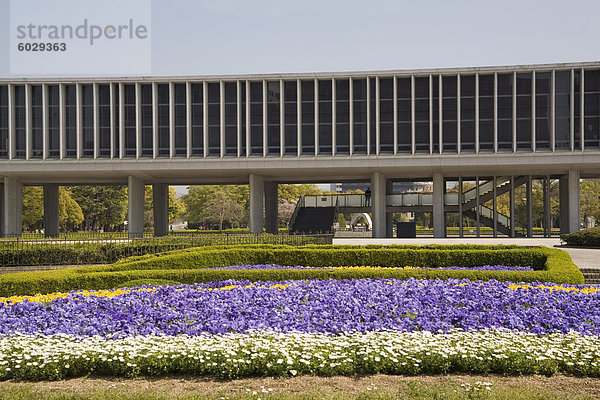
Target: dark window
(104, 120)
(435, 110)
(422, 123)
(231, 124)
(372, 116)
(467, 114)
(524, 111)
(163, 120)
(308, 117)
(197, 119)
(243, 117)
(87, 121)
(577, 108)
(116, 122)
(214, 119)
(71, 121)
(20, 131)
(3, 121)
(129, 120)
(404, 115)
(147, 121)
(562, 110)
(273, 118)
(591, 108)
(449, 114)
(486, 113)
(359, 89)
(256, 118)
(505, 112)
(543, 113)
(179, 109)
(325, 116)
(386, 115)
(342, 116)
(37, 128)
(291, 117)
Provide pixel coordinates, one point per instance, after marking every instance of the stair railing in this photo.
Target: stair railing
(299, 204)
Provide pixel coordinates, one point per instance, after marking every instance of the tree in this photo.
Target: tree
(221, 208)
(285, 211)
(33, 207)
(176, 206)
(103, 207)
(590, 199)
(197, 197)
(292, 193)
(70, 213)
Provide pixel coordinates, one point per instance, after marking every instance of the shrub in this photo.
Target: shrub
(145, 282)
(190, 266)
(70, 252)
(587, 237)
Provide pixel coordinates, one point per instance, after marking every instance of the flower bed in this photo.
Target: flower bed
(36, 357)
(366, 267)
(323, 306)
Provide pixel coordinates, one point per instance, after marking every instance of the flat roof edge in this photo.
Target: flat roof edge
(305, 75)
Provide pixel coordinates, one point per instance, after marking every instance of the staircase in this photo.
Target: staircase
(591, 275)
(486, 218)
(313, 220)
(486, 193)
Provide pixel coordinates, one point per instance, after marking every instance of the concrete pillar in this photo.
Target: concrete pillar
(257, 203)
(569, 202)
(160, 208)
(574, 201)
(378, 205)
(51, 210)
(12, 210)
(136, 194)
(530, 206)
(271, 208)
(438, 205)
(389, 217)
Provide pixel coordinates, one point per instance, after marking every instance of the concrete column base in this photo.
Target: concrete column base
(51, 210)
(378, 205)
(160, 208)
(569, 202)
(257, 203)
(12, 208)
(271, 208)
(135, 198)
(438, 205)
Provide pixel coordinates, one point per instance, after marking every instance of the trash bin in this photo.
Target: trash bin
(406, 229)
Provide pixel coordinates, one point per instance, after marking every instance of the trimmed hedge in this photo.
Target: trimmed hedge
(586, 238)
(70, 252)
(189, 266)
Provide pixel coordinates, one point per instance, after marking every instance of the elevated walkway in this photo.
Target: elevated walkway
(471, 204)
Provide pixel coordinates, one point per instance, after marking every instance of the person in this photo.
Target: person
(368, 197)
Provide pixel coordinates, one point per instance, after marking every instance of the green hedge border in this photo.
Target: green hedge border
(585, 238)
(552, 265)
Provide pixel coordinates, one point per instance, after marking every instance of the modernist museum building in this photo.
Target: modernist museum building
(500, 128)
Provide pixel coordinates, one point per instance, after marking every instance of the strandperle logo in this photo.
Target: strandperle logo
(84, 31)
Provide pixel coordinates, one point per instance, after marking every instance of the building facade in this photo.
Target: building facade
(426, 125)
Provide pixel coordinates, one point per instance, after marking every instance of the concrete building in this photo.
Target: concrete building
(516, 122)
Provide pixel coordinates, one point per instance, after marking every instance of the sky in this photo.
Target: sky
(203, 37)
(198, 37)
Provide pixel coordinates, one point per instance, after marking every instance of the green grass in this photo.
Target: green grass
(379, 387)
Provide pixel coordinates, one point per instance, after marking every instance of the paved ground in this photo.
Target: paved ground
(582, 257)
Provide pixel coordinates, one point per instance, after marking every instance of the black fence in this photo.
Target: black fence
(105, 248)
